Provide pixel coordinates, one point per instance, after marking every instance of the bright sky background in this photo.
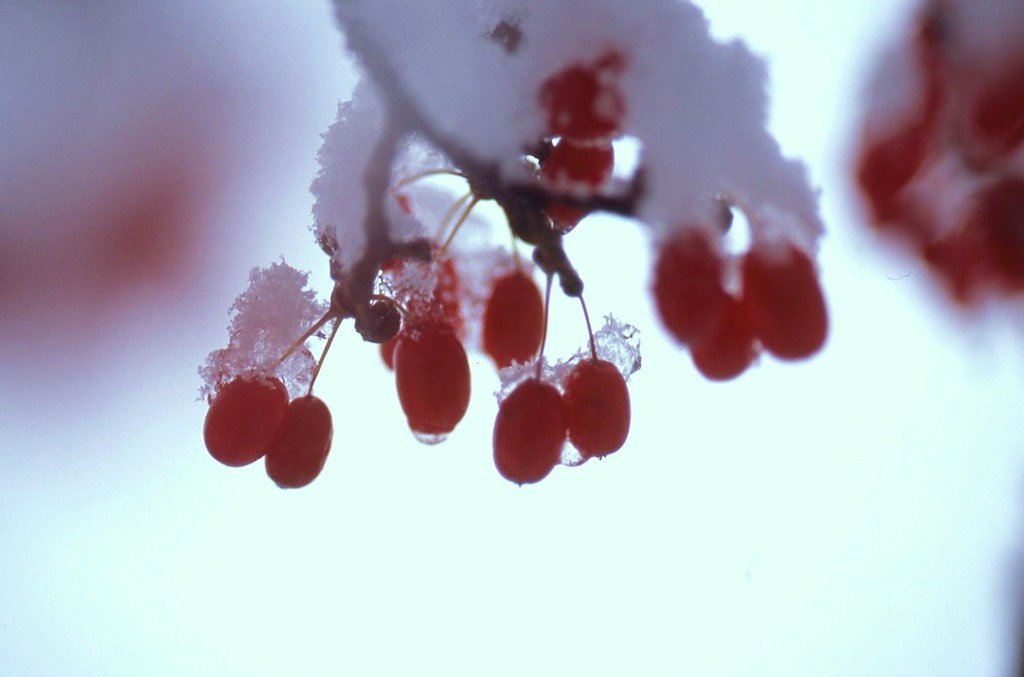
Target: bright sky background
(857, 514)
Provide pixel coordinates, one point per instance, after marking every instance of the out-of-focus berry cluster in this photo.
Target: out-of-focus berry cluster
(943, 169)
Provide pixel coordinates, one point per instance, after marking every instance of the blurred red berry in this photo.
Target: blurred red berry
(688, 285)
(888, 163)
(729, 348)
(996, 117)
(785, 302)
(583, 101)
(571, 164)
(962, 257)
(998, 218)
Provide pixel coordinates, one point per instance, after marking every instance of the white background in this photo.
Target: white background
(856, 514)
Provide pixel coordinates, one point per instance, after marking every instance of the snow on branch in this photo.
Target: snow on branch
(468, 79)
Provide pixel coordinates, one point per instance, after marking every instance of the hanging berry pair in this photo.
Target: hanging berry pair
(535, 419)
(251, 418)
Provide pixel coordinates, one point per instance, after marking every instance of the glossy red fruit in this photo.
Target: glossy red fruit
(785, 301)
(513, 319)
(688, 285)
(299, 449)
(443, 303)
(432, 376)
(730, 348)
(597, 402)
(529, 432)
(583, 101)
(243, 418)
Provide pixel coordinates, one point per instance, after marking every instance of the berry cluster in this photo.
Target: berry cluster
(418, 310)
(945, 173)
(779, 305)
(426, 295)
(535, 418)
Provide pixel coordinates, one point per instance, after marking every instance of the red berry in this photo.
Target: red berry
(299, 449)
(243, 418)
(997, 114)
(583, 101)
(565, 217)
(730, 347)
(443, 304)
(597, 401)
(887, 164)
(963, 258)
(513, 320)
(688, 285)
(786, 305)
(572, 164)
(529, 432)
(447, 293)
(999, 220)
(432, 375)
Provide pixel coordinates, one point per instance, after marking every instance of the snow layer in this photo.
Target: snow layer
(697, 107)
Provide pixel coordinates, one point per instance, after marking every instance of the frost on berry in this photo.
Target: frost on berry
(266, 319)
(430, 291)
(619, 343)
